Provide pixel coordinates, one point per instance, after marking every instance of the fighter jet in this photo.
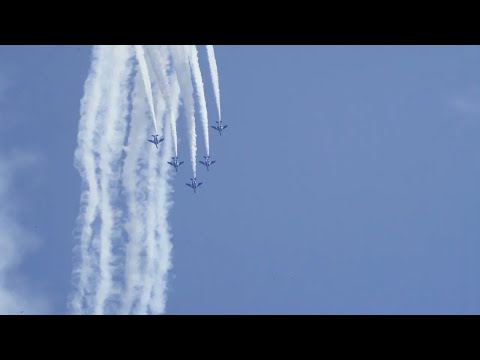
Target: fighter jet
(207, 162)
(156, 141)
(194, 185)
(220, 127)
(175, 163)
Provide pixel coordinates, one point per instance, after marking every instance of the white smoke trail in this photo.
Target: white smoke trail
(134, 181)
(150, 205)
(153, 204)
(175, 100)
(160, 61)
(146, 81)
(100, 142)
(197, 77)
(153, 296)
(146, 279)
(182, 68)
(85, 163)
(214, 73)
(163, 246)
(111, 146)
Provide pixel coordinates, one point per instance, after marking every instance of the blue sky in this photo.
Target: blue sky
(346, 183)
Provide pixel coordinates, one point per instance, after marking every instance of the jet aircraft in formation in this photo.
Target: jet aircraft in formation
(175, 163)
(156, 141)
(219, 126)
(207, 162)
(194, 185)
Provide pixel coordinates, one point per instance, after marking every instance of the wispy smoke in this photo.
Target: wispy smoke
(15, 242)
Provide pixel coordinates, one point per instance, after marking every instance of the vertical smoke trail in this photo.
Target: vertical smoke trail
(134, 181)
(146, 81)
(214, 73)
(150, 204)
(173, 116)
(197, 77)
(150, 256)
(111, 146)
(153, 206)
(160, 62)
(181, 65)
(163, 246)
(85, 163)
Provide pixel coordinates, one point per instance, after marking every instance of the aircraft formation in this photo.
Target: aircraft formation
(176, 163)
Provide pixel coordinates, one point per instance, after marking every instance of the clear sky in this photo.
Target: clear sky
(346, 183)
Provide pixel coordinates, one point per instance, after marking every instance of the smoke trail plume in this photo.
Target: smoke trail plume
(214, 73)
(86, 164)
(180, 60)
(168, 87)
(163, 246)
(197, 77)
(146, 81)
(134, 182)
(174, 99)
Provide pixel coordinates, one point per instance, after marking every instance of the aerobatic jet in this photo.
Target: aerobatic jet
(194, 185)
(156, 141)
(219, 127)
(207, 162)
(175, 163)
